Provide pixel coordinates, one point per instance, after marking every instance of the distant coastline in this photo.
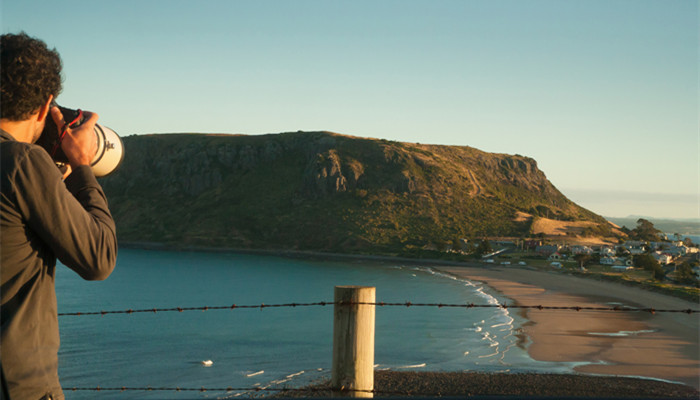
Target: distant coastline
(325, 256)
(685, 227)
(304, 254)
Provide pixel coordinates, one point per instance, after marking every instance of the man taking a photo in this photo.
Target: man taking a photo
(42, 217)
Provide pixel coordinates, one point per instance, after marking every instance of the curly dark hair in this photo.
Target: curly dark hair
(29, 74)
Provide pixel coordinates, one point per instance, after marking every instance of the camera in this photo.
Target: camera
(110, 150)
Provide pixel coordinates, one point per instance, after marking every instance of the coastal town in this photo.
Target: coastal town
(620, 257)
(673, 261)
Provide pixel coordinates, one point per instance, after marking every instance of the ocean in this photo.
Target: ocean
(269, 347)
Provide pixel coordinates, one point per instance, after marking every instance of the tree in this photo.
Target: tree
(483, 248)
(658, 272)
(582, 259)
(685, 274)
(645, 261)
(650, 264)
(621, 252)
(645, 230)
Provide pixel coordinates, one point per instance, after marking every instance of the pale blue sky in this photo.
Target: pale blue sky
(602, 93)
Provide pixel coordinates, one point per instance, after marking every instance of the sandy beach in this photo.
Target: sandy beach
(635, 344)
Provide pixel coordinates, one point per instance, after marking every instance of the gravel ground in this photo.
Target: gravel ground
(436, 384)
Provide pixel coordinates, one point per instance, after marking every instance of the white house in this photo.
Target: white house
(662, 258)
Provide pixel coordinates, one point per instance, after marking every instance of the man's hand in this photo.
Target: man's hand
(79, 144)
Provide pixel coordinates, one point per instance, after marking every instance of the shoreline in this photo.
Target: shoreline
(663, 346)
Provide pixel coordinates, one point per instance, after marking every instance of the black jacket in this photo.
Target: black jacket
(42, 218)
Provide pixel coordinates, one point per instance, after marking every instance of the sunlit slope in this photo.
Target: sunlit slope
(325, 191)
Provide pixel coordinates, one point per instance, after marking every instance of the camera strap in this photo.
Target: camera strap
(65, 127)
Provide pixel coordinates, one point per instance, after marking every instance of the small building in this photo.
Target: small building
(606, 251)
(661, 245)
(607, 260)
(581, 250)
(616, 261)
(620, 268)
(532, 244)
(677, 251)
(634, 246)
(547, 250)
(662, 258)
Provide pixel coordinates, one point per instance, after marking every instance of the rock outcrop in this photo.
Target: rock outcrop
(323, 191)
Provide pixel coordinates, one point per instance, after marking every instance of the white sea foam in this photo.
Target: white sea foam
(620, 333)
(295, 374)
(498, 332)
(255, 373)
(490, 355)
(412, 366)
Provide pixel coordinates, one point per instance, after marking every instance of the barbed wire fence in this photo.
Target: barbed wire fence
(286, 390)
(262, 306)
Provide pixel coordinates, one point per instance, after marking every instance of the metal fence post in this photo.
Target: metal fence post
(353, 341)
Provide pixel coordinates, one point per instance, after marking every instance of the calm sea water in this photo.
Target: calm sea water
(694, 238)
(272, 347)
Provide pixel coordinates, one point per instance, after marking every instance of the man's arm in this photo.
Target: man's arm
(71, 217)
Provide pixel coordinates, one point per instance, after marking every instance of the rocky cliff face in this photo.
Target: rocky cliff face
(323, 191)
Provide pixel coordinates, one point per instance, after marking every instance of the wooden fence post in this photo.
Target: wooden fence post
(353, 341)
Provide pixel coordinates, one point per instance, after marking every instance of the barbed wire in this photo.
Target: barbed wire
(283, 390)
(262, 306)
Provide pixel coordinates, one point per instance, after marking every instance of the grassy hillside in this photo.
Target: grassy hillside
(324, 191)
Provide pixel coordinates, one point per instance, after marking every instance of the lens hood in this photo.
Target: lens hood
(110, 151)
